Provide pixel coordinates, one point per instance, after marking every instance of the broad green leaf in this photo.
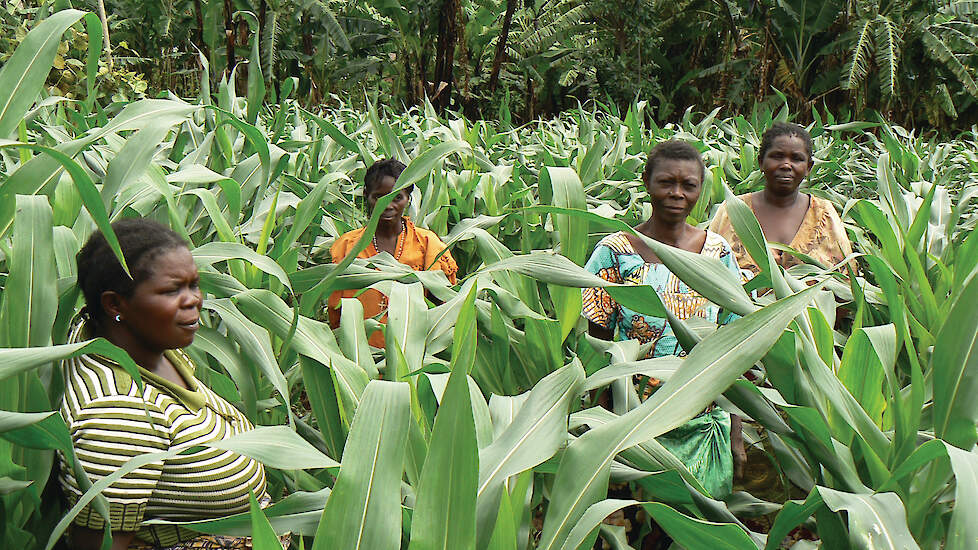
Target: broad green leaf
(262, 535)
(875, 521)
(133, 159)
(533, 436)
(963, 531)
(14, 361)
(254, 342)
(297, 513)
(954, 364)
(352, 337)
(694, 533)
(86, 189)
(23, 74)
(364, 508)
(444, 516)
(863, 370)
(593, 517)
(211, 253)
(277, 447)
(30, 297)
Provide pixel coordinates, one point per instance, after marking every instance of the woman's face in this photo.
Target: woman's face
(786, 164)
(164, 310)
(395, 209)
(674, 187)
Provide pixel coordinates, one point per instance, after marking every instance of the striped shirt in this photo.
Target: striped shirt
(111, 422)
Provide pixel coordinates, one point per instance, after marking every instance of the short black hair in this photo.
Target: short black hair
(141, 240)
(789, 129)
(381, 169)
(672, 150)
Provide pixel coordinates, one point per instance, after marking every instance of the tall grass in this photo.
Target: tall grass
(479, 425)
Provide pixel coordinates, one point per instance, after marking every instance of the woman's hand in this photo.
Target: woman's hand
(737, 446)
(89, 539)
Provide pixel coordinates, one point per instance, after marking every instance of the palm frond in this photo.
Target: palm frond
(336, 33)
(945, 102)
(963, 7)
(858, 65)
(270, 43)
(887, 53)
(560, 19)
(938, 50)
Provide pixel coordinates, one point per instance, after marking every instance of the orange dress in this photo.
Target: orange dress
(821, 236)
(416, 247)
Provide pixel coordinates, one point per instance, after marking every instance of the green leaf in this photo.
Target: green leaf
(364, 508)
(533, 436)
(862, 369)
(695, 533)
(277, 447)
(86, 189)
(30, 297)
(211, 253)
(262, 535)
(875, 521)
(444, 516)
(954, 364)
(963, 531)
(14, 361)
(23, 75)
(255, 344)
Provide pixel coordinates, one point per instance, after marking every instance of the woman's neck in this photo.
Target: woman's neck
(391, 229)
(666, 232)
(145, 358)
(780, 201)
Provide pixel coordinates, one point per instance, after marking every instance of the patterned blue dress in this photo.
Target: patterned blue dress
(703, 443)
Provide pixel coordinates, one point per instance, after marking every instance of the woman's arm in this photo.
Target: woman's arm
(737, 446)
(599, 331)
(83, 538)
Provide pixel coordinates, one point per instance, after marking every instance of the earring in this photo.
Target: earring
(118, 318)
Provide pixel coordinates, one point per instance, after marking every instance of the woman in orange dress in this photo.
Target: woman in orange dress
(807, 224)
(413, 246)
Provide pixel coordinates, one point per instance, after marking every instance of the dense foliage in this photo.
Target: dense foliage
(915, 62)
(482, 433)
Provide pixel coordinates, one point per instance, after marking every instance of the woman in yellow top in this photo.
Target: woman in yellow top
(807, 224)
(413, 246)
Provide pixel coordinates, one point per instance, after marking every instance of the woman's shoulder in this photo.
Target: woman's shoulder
(617, 242)
(716, 244)
(426, 235)
(345, 242)
(822, 206)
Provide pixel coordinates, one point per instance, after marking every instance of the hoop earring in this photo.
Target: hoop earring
(118, 318)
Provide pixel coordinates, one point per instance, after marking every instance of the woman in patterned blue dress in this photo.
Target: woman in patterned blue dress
(673, 177)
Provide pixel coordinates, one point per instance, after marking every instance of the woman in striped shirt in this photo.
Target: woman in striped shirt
(151, 316)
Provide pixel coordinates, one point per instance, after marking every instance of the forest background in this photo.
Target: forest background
(914, 62)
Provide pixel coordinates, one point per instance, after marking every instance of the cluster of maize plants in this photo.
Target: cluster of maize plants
(475, 427)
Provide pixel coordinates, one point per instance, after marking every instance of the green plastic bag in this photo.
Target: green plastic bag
(703, 445)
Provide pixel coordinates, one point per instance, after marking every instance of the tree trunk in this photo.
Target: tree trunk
(497, 61)
(229, 34)
(201, 44)
(105, 33)
(445, 55)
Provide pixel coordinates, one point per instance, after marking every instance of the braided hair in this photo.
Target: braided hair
(141, 240)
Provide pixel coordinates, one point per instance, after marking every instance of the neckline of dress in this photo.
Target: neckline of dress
(808, 212)
(645, 262)
(401, 239)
